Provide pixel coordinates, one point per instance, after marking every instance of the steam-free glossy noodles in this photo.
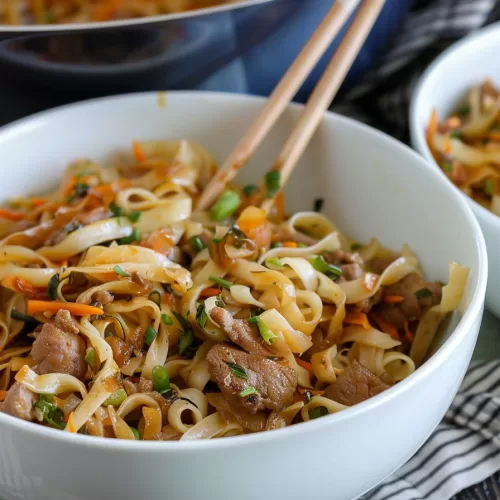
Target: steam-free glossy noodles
(125, 314)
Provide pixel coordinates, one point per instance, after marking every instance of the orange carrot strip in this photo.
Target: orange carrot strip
(20, 285)
(138, 152)
(305, 364)
(447, 147)
(10, 215)
(279, 203)
(408, 334)
(290, 244)
(385, 326)
(357, 318)
(251, 218)
(210, 292)
(393, 299)
(431, 130)
(3, 395)
(36, 306)
(453, 122)
(38, 202)
(494, 136)
(71, 424)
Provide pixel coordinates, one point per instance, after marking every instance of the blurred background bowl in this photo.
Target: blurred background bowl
(466, 63)
(243, 47)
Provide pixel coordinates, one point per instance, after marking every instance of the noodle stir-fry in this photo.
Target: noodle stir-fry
(467, 145)
(16, 12)
(125, 314)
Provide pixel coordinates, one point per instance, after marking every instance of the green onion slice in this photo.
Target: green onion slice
(167, 319)
(161, 379)
(221, 282)
(120, 271)
(150, 335)
(226, 205)
(248, 391)
(117, 398)
(52, 286)
(273, 182)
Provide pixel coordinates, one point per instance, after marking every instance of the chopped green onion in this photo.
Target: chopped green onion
(155, 296)
(456, 134)
(264, 330)
(463, 110)
(117, 211)
(273, 263)
(301, 245)
(184, 323)
(237, 370)
(248, 392)
(19, 316)
(47, 397)
(273, 182)
(250, 189)
(276, 244)
(150, 335)
(90, 358)
(317, 412)
(447, 166)
(120, 271)
(134, 216)
(320, 264)
(52, 286)
(201, 315)
(81, 189)
(134, 236)
(161, 379)
(221, 282)
(197, 244)
(226, 205)
(136, 434)
(186, 341)
(167, 287)
(489, 187)
(167, 319)
(219, 302)
(45, 411)
(117, 398)
(423, 293)
(318, 204)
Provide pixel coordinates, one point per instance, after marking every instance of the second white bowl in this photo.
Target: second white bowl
(466, 63)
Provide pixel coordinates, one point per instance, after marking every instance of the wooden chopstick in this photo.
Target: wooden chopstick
(279, 99)
(325, 91)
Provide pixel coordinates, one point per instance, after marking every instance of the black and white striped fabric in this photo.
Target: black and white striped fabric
(463, 451)
(461, 460)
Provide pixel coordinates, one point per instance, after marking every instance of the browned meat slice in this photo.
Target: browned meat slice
(354, 385)
(80, 220)
(379, 264)
(57, 351)
(122, 352)
(275, 384)
(19, 402)
(64, 321)
(351, 272)
(418, 295)
(240, 331)
(103, 297)
(341, 257)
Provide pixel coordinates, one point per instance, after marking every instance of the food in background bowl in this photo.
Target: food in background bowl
(128, 316)
(17, 12)
(467, 145)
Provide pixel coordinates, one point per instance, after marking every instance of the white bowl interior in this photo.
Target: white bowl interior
(442, 85)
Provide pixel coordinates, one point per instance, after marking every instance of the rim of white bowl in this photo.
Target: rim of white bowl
(125, 23)
(461, 330)
(417, 133)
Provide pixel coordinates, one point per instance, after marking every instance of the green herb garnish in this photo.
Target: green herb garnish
(237, 370)
(117, 211)
(91, 358)
(265, 332)
(196, 244)
(134, 236)
(273, 182)
(187, 337)
(302, 245)
(155, 296)
(456, 134)
(136, 434)
(150, 335)
(423, 293)
(447, 166)
(317, 412)
(273, 263)
(45, 411)
(167, 319)
(463, 110)
(117, 398)
(201, 315)
(221, 282)
(19, 316)
(81, 189)
(134, 216)
(226, 205)
(219, 302)
(320, 264)
(161, 379)
(489, 187)
(52, 286)
(250, 189)
(276, 244)
(120, 271)
(248, 392)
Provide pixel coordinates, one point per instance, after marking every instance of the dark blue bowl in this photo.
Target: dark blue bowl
(240, 49)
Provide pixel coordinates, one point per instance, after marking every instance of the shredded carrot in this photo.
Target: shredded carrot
(36, 306)
(3, 395)
(385, 326)
(138, 152)
(290, 244)
(71, 424)
(393, 299)
(38, 202)
(20, 285)
(305, 364)
(210, 292)
(251, 219)
(357, 318)
(10, 215)
(447, 146)
(279, 203)
(408, 334)
(453, 122)
(494, 136)
(431, 130)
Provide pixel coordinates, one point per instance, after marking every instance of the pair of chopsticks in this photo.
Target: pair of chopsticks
(318, 103)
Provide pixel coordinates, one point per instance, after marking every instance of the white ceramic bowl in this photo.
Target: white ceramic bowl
(372, 185)
(446, 80)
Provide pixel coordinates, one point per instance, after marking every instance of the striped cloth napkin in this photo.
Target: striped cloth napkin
(461, 460)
